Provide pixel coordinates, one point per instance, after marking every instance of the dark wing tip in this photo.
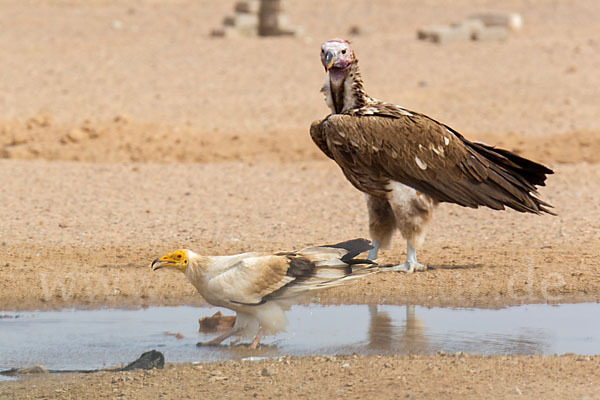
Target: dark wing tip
(354, 247)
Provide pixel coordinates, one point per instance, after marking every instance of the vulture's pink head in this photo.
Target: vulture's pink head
(337, 56)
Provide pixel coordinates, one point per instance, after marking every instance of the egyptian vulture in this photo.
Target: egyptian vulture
(406, 163)
(259, 287)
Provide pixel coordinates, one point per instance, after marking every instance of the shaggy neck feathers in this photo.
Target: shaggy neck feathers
(343, 95)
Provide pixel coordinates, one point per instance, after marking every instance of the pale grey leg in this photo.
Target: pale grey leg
(411, 264)
(372, 256)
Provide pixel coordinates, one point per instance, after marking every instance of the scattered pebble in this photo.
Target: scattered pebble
(518, 391)
(354, 30)
(75, 135)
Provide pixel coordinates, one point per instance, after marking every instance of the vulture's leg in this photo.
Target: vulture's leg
(411, 264)
(412, 211)
(372, 256)
(256, 340)
(382, 224)
(217, 341)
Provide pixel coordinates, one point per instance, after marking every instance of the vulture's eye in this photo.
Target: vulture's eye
(344, 51)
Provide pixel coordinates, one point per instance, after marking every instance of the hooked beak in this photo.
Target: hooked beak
(328, 60)
(158, 264)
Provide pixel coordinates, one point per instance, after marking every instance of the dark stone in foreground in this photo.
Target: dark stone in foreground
(148, 360)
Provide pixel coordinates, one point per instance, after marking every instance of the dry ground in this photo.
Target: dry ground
(353, 377)
(122, 144)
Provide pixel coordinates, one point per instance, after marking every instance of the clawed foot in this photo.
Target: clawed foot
(409, 267)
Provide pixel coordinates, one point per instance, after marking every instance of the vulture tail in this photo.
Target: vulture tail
(515, 177)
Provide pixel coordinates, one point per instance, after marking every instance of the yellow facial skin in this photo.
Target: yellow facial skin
(177, 259)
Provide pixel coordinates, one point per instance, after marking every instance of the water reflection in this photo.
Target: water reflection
(99, 338)
(407, 337)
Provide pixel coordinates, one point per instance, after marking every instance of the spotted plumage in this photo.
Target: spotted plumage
(407, 162)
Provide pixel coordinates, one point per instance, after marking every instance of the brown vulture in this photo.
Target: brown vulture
(406, 163)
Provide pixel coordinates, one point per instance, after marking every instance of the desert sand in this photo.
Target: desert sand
(123, 141)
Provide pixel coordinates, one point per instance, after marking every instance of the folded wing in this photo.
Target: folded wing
(257, 279)
(420, 152)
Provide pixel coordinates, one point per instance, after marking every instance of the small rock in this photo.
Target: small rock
(491, 33)
(226, 31)
(571, 69)
(243, 23)
(18, 151)
(512, 21)
(121, 118)
(19, 138)
(148, 360)
(43, 119)
(354, 30)
(91, 132)
(444, 33)
(266, 372)
(75, 135)
(116, 25)
(217, 378)
(31, 370)
(247, 7)
(518, 391)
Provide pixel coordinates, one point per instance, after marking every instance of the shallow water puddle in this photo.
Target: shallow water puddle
(77, 339)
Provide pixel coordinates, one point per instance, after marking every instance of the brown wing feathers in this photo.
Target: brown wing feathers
(316, 133)
(434, 159)
(309, 267)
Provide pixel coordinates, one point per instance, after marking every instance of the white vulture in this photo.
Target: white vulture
(406, 163)
(259, 287)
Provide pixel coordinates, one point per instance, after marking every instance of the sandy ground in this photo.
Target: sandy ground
(353, 377)
(121, 144)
